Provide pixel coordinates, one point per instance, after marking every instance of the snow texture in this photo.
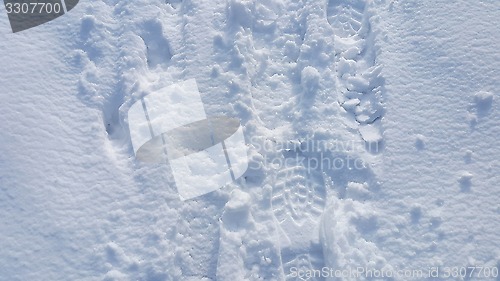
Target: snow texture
(371, 131)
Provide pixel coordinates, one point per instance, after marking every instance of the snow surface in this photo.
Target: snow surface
(371, 128)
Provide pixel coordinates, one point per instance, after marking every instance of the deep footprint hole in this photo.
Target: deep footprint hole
(157, 46)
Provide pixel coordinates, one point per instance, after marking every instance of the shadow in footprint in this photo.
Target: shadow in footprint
(158, 48)
(90, 32)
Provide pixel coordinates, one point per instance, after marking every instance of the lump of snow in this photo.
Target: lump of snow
(465, 181)
(357, 190)
(239, 201)
(420, 142)
(291, 50)
(237, 210)
(371, 134)
(344, 66)
(480, 107)
(309, 79)
(351, 53)
(350, 104)
(357, 83)
(483, 101)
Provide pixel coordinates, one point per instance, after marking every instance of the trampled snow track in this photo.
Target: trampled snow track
(284, 108)
(232, 49)
(296, 51)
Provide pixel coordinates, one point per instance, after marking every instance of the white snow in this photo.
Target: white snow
(371, 130)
